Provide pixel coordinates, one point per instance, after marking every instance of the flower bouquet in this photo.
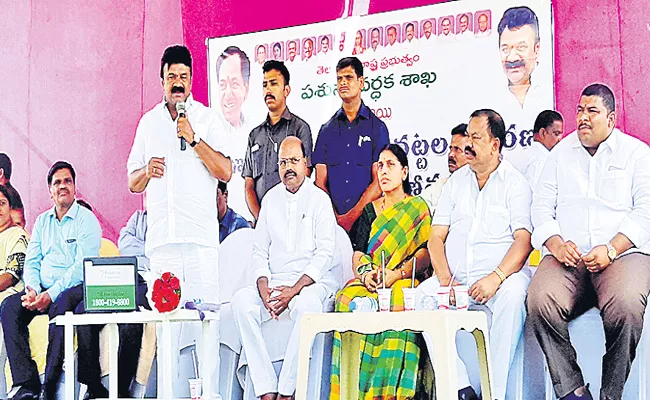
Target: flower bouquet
(166, 293)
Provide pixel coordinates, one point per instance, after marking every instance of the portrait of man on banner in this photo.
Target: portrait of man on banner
(375, 38)
(464, 25)
(410, 34)
(428, 30)
(482, 23)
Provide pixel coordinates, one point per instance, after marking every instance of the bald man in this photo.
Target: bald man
(292, 259)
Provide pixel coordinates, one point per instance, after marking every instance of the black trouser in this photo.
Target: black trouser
(15, 320)
(89, 371)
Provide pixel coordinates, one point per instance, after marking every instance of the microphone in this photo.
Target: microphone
(180, 109)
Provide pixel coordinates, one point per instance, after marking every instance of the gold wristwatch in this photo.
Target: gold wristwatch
(611, 252)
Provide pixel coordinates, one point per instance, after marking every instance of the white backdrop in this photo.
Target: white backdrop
(420, 89)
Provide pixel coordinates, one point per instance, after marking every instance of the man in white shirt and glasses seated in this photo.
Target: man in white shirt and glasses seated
(292, 257)
(591, 214)
(481, 235)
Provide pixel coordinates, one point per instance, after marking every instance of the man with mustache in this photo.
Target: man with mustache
(308, 49)
(180, 185)
(455, 160)
(427, 29)
(292, 49)
(17, 208)
(292, 260)
(261, 163)
(348, 147)
(549, 127)
(409, 35)
(375, 38)
(62, 237)
(481, 234)
(591, 213)
(463, 26)
(445, 27)
(522, 99)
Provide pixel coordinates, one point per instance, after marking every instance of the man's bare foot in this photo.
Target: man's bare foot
(269, 396)
(281, 397)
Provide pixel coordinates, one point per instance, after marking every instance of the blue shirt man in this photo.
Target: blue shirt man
(229, 221)
(61, 239)
(348, 147)
(132, 239)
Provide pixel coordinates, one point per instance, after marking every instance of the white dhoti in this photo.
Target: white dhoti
(250, 314)
(507, 324)
(197, 268)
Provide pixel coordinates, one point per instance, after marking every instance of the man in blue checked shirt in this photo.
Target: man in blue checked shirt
(62, 237)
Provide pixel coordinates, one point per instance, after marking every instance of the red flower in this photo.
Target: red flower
(166, 294)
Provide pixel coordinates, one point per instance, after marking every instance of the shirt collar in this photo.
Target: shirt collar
(611, 141)
(72, 212)
(364, 112)
(227, 217)
(285, 115)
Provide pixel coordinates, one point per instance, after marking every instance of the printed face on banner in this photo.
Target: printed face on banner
(177, 83)
(391, 35)
(464, 24)
(482, 22)
(409, 32)
(427, 28)
(277, 51)
(232, 89)
(359, 43)
(261, 54)
(292, 50)
(308, 49)
(519, 52)
(446, 28)
(325, 44)
(375, 38)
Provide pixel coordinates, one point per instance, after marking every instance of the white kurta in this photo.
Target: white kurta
(589, 199)
(481, 226)
(294, 236)
(183, 228)
(537, 155)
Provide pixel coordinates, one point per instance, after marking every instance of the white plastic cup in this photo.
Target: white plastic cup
(442, 297)
(384, 299)
(409, 298)
(196, 388)
(462, 297)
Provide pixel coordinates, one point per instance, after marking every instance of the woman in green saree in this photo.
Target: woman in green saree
(397, 225)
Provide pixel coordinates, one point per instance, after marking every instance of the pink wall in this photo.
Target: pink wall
(80, 76)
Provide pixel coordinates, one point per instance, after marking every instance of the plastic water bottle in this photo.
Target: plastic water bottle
(364, 304)
(428, 303)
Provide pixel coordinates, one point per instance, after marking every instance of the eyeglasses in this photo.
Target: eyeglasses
(285, 161)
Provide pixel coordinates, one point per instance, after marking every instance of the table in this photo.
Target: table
(70, 320)
(440, 325)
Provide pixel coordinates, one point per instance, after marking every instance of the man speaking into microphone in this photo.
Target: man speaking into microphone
(175, 157)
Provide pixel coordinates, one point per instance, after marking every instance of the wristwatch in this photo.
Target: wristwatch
(611, 252)
(196, 141)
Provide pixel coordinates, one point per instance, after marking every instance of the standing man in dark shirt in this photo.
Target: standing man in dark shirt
(261, 163)
(348, 147)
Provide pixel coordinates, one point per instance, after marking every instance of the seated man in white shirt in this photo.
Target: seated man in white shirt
(591, 213)
(548, 130)
(481, 235)
(455, 160)
(292, 257)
